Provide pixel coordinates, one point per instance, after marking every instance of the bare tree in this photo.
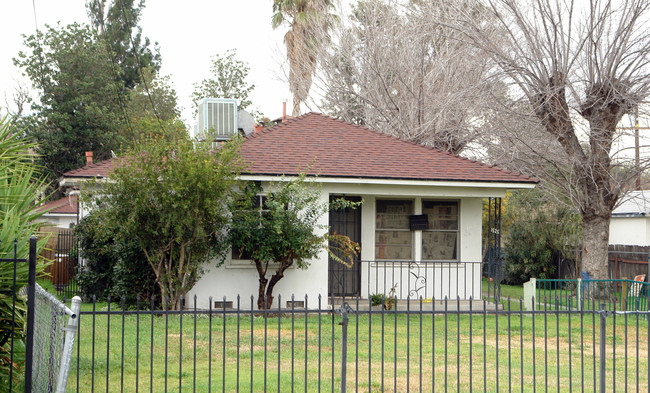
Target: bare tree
(401, 69)
(576, 70)
(19, 100)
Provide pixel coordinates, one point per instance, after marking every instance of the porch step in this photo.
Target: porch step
(414, 305)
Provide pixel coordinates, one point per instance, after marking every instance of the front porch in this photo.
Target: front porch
(407, 281)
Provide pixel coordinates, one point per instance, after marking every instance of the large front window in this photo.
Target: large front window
(241, 254)
(440, 241)
(393, 237)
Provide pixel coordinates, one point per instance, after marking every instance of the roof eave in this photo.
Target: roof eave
(401, 182)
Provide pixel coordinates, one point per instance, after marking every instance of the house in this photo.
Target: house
(419, 226)
(61, 213)
(630, 223)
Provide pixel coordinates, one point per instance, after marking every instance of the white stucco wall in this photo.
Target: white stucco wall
(446, 279)
(633, 231)
(60, 220)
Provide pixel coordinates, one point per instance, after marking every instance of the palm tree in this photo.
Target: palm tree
(310, 22)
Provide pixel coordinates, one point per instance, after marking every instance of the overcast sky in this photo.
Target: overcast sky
(188, 33)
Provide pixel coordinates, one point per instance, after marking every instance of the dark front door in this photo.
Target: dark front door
(343, 280)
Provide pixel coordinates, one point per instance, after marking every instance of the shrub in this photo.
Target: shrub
(540, 233)
(113, 266)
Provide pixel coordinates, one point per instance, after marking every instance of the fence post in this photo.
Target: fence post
(31, 297)
(344, 310)
(603, 316)
(579, 294)
(529, 293)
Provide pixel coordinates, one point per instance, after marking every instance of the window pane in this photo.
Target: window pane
(441, 215)
(393, 238)
(393, 214)
(439, 245)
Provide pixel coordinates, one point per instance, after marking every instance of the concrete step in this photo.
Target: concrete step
(414, 305)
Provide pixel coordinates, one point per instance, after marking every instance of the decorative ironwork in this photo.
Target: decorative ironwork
(419, 282)
(493, 252)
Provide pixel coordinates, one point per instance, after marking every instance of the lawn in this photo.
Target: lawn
(387, 352)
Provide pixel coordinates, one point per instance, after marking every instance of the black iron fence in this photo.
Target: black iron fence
(62, 252)
(17, 318)
(360, 347)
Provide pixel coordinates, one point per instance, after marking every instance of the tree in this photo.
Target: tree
(310, 22)
(118, 27)
(80, 105)
(153, 98)
(541, 232)
(20, 186)
(170, 197)
(280, 228)
(402, 70)
(577, 72)
(229, 81)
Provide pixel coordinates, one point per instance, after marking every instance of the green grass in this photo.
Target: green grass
(389, 348)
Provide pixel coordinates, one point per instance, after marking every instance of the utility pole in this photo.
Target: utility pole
(637, 155)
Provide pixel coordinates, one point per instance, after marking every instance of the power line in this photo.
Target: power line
(120, 98)
(139, 65)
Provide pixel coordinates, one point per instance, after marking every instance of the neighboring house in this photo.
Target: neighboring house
(62, 213)
(419, 227)
(630, 223)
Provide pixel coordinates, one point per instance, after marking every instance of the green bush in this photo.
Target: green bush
(540, 232)
(112, 266)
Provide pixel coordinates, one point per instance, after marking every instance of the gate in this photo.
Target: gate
(62, 250)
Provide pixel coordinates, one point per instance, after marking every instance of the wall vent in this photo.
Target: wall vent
(217, 118)
(220, 304)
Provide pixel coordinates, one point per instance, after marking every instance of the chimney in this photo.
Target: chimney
(89, 157)
(284, 110)
(259, 126)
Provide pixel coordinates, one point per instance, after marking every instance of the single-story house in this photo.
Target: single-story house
(419, 226)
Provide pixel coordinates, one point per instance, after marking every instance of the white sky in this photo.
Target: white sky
(188, 33)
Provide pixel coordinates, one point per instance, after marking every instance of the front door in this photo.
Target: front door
(343, 280)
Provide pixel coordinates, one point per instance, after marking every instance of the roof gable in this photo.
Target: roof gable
(65, 205)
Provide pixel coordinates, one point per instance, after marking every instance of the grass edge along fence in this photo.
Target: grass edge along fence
(432, 345)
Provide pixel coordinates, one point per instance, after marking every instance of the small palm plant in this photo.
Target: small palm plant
(20, 188)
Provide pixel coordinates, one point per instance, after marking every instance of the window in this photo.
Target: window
(393, 238)
(440, 241)
(239, 254)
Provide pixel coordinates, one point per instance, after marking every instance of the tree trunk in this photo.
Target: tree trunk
(269, 290)
(595, 241)
(260, 294)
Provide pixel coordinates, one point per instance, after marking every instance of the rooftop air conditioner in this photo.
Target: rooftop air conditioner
(217, 118)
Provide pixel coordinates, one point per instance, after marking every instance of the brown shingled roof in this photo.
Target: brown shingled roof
(324, 146)
(99, 169)
(65, 205)
(329, 147)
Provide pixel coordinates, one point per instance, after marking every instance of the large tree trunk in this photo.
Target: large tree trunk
(595, 241)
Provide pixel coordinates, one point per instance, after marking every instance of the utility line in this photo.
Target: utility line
(139, 65)
(120, 98)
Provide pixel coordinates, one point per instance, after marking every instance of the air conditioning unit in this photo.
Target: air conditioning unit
(217, 118)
